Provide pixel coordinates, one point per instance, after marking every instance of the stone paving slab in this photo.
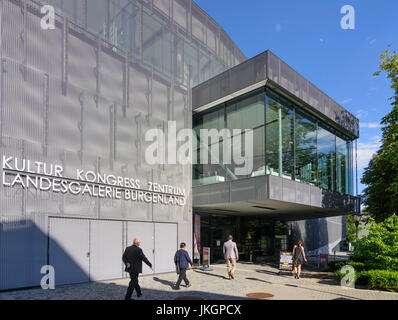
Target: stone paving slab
(211, 285)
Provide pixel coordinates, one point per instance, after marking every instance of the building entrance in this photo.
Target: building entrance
(258, 239)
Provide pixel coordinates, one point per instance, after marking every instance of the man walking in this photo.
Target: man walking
(132, 258)
(182, 262)
(231, 256)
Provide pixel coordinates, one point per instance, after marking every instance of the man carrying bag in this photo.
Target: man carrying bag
(182, 262)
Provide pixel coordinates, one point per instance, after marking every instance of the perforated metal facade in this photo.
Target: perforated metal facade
(83, 96)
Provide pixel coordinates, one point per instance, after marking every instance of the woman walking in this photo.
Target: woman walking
(298, 258)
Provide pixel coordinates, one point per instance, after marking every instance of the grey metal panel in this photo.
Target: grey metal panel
(289, 190)
(145, 232)
(22, 99)
(242, 190)
(315, 196)
(72, 124)
(303, 193)
(200, 195)
(219, 193)
(22, 251)
(106, 241)
(275, 188)
(69, 250)
(261, 187)
(165, 246)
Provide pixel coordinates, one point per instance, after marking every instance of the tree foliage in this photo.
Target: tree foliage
(381, 175)
(351, 234)
(379, 250)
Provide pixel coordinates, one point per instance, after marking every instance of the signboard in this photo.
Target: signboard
(323, 261)
(41, 176)
(206, 257)
(286, 261)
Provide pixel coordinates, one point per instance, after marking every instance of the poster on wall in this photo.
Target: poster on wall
(196, 238)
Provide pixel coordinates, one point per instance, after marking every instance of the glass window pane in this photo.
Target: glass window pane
(248, 113)
(306, 153)
(212, 172)
(152, 41)
(279, 137)
(326, 158)
(96, 16)
(342, 165)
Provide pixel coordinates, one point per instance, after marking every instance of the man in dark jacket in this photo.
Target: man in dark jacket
(132, 258)
(182, 260)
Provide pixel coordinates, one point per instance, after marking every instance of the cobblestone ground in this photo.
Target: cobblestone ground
(212, 285)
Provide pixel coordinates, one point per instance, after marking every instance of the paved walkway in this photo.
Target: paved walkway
(213, 285)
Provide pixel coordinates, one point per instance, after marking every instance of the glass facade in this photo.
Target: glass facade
(287, 142)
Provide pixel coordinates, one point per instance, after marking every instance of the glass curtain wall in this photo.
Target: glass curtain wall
(287, 142)
(279, 137)
(248, 113)
(326, 158)
(306, 148)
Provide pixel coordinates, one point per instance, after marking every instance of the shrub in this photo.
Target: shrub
(380, 279)
(337, 265)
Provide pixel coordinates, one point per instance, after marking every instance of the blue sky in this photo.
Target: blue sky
(307, 35)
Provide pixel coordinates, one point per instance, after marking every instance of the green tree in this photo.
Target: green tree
(351, 229)
(379, 250)
(381, 175)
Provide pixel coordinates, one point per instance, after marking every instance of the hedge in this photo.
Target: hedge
(337, 265)
(380, 279)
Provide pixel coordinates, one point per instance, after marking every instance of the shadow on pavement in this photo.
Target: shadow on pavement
(256, 279)
(211, 274)
(111, 291)
(165, 282)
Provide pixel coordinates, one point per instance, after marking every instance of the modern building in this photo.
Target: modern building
(77, 99)
(302, 183)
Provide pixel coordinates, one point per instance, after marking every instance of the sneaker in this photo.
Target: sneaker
(139, 295)
(189, 285)
(176, 288)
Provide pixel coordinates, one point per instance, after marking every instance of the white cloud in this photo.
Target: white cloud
(366, 152)
(370, 125)
(361, 113)
(346, 101)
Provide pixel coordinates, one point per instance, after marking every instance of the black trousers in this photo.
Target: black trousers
(133, 285)
(182, 276)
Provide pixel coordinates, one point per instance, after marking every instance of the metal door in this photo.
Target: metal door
(69, 250)
(106, 249)
(143, 231)
(165, 246)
